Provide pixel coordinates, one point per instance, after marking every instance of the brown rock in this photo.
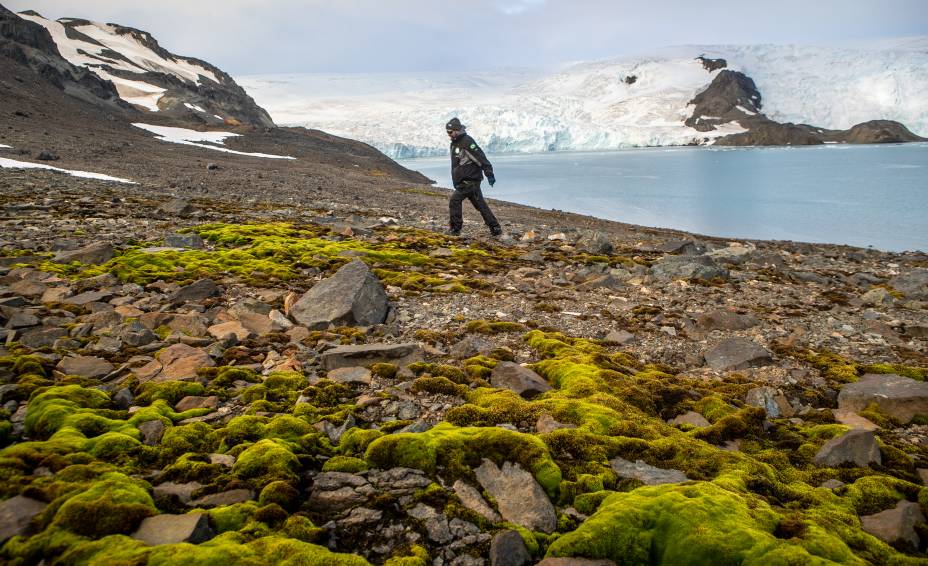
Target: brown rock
(512, 376)
(85, 366)
(181, 362)
(194, 402)
(897, 524)
(899, 397)
(519, 497)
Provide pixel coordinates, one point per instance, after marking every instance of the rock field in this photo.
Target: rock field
(327, 378)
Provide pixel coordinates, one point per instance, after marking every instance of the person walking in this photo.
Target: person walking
(468, 166)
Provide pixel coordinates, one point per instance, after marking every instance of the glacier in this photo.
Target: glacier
(598, 105)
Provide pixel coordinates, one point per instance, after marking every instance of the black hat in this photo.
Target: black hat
(454, 124)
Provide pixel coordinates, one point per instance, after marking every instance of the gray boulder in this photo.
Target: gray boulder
(687, 267)
(645, 473)
(512, 376)
(508, 549)
(595, 242)
(771, 400)
(723, 320)
(472, 499)
(15, 515)
(899, 397)
(195, 292)
(897, 524)
(95, 253)
(85, 366)
(369, 354)
(691, 418)
(172, 529)
(177, 207)
(351, 297)
(858, 447)
(737, 353)
(183, 241)
(914, 284)
(520, 498)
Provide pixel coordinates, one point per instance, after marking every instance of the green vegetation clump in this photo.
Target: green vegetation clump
(266, 461)
(494, 327)
(348, 464)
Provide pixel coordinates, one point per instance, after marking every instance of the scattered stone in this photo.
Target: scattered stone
(896, 525)
(546, 423)
(369, 354)
(172, 529)
(877, 297)
(646, 474)
(508, 549)
(190, 240)
(178, 207)
(724, 320)
(180, 362)
(512, 376)
(226, 460)
(436, 524)
(896, 396)
(832, 484)
(197, 291)
(858, 447)
(85, 366)
(351, 297)
(771, 400)
(619, 337)
(230, 497)
(152, 431)
(691, 418)
(518, 496)
(16, 513)
(472, 499)
(470, 346)
(95, 253)
(688, 267)
(193, 402)
(351, 375)
(737, 353)
(338, 491)
(170, 493)
(854, 420)
(233, 327)
(914, 284)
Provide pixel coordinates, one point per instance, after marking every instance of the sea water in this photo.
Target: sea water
(861, 195)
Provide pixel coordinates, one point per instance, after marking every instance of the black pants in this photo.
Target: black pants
(470, 191)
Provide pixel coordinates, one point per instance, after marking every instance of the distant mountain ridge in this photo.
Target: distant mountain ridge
(143, 74)
(642, 100)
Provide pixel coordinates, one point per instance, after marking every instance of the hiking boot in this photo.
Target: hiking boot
(455, 233)
(496, 233)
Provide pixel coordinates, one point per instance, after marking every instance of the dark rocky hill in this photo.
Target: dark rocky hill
(732, 97)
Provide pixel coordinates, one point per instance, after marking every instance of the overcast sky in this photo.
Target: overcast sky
(343, 36)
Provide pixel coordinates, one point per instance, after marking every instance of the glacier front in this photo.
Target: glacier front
(626, 102)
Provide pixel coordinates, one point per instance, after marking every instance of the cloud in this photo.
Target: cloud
(518, 6)
(278, 36)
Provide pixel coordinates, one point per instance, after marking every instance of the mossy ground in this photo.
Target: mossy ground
(758, 505)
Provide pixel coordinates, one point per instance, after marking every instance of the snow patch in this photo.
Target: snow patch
(135, 92)
(5, 146)
(194, 107)
(200, 139)
(13, 164)
(745, 110)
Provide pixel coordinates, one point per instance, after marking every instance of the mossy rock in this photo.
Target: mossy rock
(348, 464)
(266, 461)
(693, 524)
(116, 504)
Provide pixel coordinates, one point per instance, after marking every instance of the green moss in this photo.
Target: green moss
(384, 370)
(494, 327)
(302, 528)
(347, 464)
(115, 504)
(440, 445)
(280, 493)
(356, 440)
(409, 556)
(232, 517)
(695, 524)
(438, 385)
(193, 437)
(438, 370)
(267, 461)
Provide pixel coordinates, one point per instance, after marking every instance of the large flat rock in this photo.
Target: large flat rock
(519, 497)
(351, 297)
(172, 529)
(368, 354)
(15, 515)
(737, 353)
(899, 397)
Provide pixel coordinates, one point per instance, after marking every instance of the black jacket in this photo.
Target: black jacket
(468, 162)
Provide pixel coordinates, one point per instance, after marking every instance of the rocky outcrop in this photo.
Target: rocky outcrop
(353, 296)
(30, 44)
(733, 98)
(896, 396)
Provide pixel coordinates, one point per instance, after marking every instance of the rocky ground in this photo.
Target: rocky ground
(327, 376)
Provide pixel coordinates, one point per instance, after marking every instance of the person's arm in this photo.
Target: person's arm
(481, 157)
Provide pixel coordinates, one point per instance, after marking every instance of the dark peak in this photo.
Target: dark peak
(712, 64)
(27, 12)
(730, 96)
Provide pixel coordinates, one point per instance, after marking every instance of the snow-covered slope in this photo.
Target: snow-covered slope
(631, 101)
(148, 76)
